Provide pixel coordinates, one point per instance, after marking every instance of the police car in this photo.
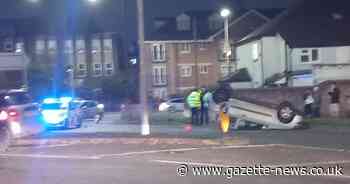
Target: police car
(61, 113)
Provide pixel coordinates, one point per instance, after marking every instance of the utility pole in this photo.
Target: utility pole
(145, 126)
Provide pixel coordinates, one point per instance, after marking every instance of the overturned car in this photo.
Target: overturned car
(241, 112)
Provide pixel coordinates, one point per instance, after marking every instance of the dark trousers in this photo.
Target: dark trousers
(194, 116)
(308, 110)
(204, 115)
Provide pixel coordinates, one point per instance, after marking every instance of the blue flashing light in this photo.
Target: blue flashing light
(54, 116)
(49, 100)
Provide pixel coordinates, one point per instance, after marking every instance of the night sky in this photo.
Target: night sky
(110, 12)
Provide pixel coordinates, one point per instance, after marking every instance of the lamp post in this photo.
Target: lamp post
(145, 126)
(225, 13)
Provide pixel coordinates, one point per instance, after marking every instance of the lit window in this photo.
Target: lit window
(186, 71)
(107, 45)
(185, 48)
(52, 45)
(203, 69)
(39, 46)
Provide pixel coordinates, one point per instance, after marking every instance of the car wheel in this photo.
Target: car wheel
(5, 139)
(286, 112)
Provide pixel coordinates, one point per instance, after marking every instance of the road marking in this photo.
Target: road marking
(49, 156)
(314, 148)
(148, 152)
(184, 149)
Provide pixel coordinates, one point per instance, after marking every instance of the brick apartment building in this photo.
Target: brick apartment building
(186, 51)
(91, 54)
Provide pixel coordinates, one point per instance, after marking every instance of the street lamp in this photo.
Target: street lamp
(145, 124)
(225, 13)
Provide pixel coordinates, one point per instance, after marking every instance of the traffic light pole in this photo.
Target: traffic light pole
(145, 124)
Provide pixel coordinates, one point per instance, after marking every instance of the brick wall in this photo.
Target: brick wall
(274, 96)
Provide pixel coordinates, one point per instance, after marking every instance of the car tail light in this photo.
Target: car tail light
(13, 113)
(3, 115)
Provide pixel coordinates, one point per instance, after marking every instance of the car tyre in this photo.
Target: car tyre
(286, 112)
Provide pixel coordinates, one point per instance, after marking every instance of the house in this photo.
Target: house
(303, 46)
(186, 52)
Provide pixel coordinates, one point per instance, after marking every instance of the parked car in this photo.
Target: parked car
(61, 113)
(173, 105)
(92, 110)
(8, 128)
(20, 106)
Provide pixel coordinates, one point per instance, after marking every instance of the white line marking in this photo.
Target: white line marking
(148, 152)
(314, 148)
(50, 156)
(184, 149)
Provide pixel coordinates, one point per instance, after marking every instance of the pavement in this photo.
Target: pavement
(104, 153)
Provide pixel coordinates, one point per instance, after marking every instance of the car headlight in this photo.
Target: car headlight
(163, 107)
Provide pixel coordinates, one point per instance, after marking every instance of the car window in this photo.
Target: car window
(91, 104)
(18, 98)
(177, 101)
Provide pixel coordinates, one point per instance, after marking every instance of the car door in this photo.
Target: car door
(91, 109)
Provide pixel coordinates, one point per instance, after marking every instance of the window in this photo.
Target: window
(309, 55)
(82, 70)
(185, 48)
(96, 46)
(158, 52)
(109, 69)
(19, 47)
(186, 71)
(183, 23)
(203, 69)
(97, 69)
(68, 46)
(159, 75)
(52, 45)
(8, 46)
(40, 46)
(107, 45)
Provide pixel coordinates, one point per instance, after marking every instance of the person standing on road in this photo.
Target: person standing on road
(308, 101)
(206, 99)
(335, 99)
(194, 102)
(316, 94)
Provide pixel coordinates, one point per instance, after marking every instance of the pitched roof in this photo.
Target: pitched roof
(307, 25)
(169, 30)
(240, 26)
